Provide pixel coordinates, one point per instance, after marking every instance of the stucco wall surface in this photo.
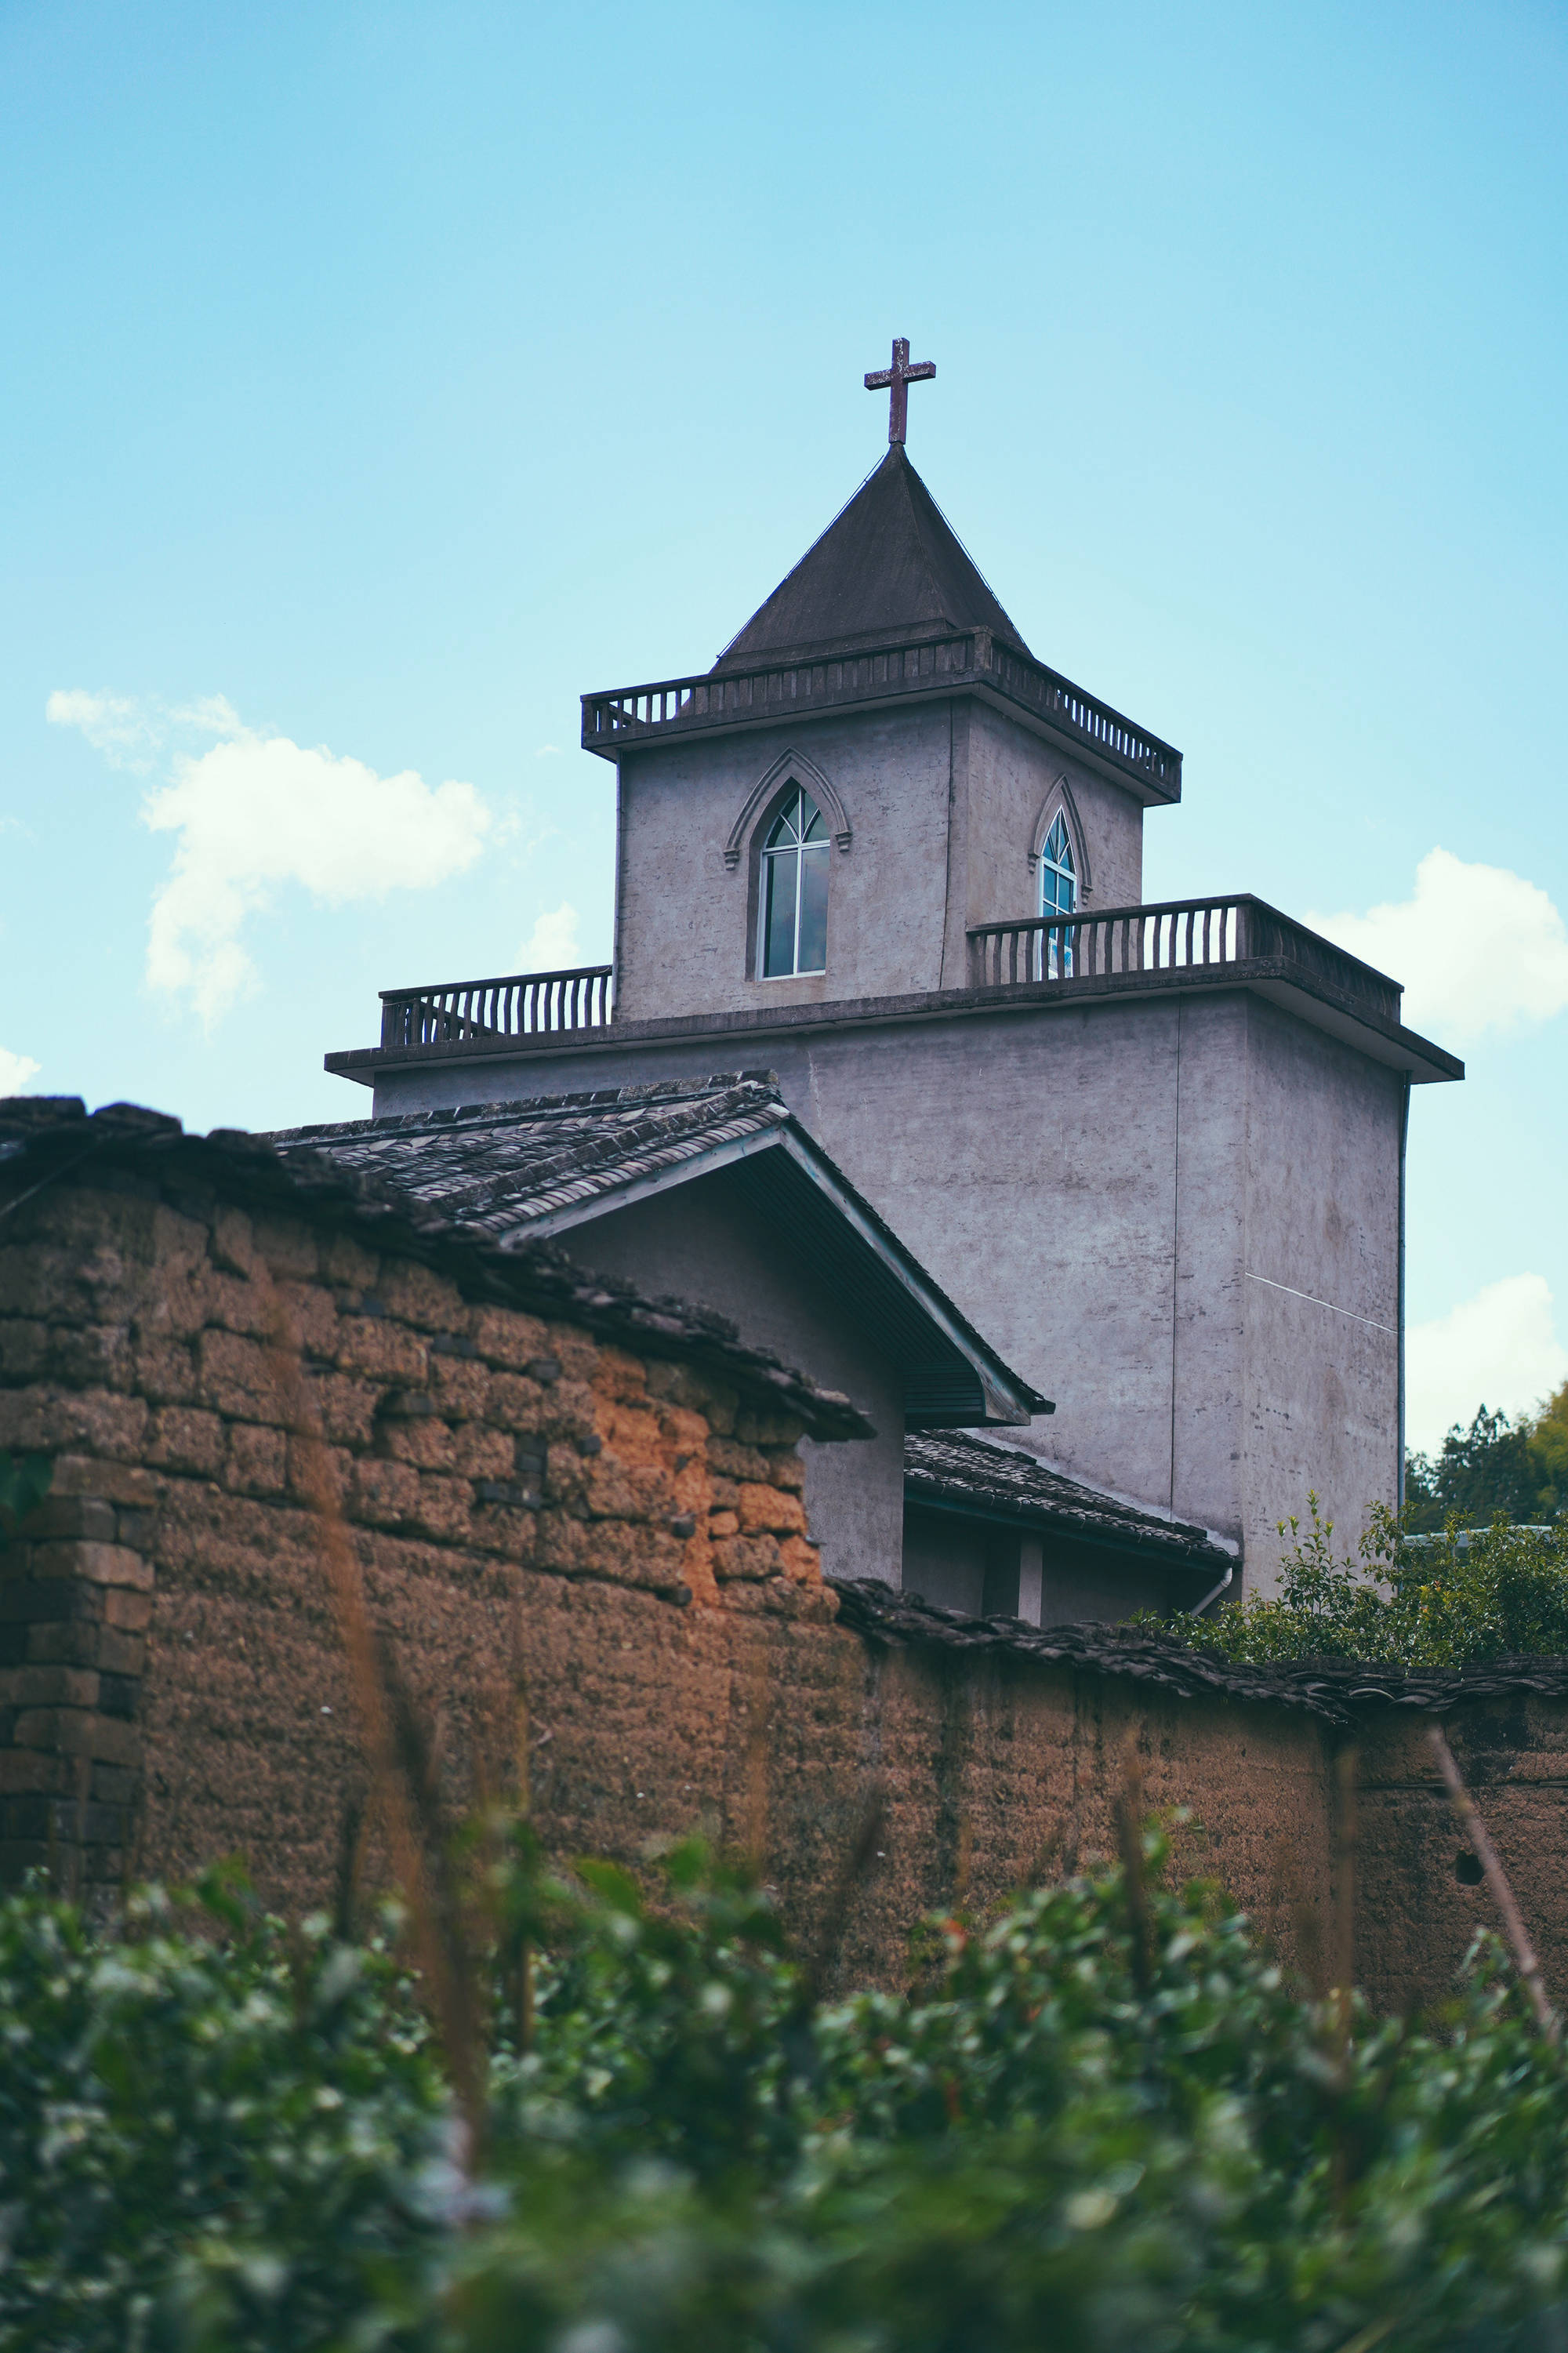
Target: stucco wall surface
(1013, 784)
(683, 918)
(1321, 1379)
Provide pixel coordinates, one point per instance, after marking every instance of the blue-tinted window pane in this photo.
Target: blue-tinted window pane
(786, 826)
(778, 912)
(812, 827)
(813, 911)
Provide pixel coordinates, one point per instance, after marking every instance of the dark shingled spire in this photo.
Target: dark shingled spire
(889, 570)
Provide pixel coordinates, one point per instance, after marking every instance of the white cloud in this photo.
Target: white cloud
(547, 751)
(255, 811)
(210, 714)
(1476, 948)
(1499, 1349)
(126, 732)
(553, 945)
(16, 1072)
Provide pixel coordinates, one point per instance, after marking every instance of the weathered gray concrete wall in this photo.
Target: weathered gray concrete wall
(1115, 1192)
(1014, 781)
(683, 919)
(701, 1242)
(943, 799)
(1323, 1277)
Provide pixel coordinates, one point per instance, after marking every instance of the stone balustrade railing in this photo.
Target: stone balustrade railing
(612, 722)
(518, 1005)
(1172, 936)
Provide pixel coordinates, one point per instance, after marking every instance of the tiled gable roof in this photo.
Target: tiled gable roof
(951, 1468)
(499, 1168)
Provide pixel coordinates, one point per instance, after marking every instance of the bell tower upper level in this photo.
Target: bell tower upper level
(876, 764)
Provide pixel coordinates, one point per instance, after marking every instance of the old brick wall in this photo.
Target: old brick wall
(166, 1620)
(1419, 1898)
(614, 1539)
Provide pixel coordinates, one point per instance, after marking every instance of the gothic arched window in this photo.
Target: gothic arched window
(1058, 896)
(794, 889)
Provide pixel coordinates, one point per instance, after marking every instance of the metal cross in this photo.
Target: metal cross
(897, 380)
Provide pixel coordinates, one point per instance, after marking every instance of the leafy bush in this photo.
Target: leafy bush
(1101, 2119)
(1436, 1601)
(175, 2104)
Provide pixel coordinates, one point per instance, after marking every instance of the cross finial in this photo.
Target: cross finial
(896, 381)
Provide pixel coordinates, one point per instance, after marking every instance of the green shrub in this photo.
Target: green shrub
(1091, 2122)
(1444, 1600)
(255, 2103)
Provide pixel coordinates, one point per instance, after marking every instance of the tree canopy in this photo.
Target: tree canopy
(1496, 1469)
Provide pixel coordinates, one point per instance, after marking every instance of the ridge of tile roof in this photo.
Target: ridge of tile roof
(1341, 1690)
(890, 568)
(952, 1467)
(47, 1138)
(498, 1168)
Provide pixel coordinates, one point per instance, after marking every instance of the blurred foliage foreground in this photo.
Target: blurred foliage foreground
(1099, 2119)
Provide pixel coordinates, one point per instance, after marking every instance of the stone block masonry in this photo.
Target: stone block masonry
(577, 1518)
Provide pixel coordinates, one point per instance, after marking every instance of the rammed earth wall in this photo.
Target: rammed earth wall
(580, 1524)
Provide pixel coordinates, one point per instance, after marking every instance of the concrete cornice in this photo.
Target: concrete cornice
(1278, 979)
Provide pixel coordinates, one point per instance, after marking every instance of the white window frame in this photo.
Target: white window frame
(1054, 956)
(796, 799)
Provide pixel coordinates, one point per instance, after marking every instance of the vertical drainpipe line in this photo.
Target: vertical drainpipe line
(1399, 1319)
(947, 877)
(1175, 1242)
(620, 872)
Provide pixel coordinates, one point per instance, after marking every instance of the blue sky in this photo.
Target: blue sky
(380, 378)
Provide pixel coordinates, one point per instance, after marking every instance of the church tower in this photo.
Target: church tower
(883, 691)
(1155, 1152)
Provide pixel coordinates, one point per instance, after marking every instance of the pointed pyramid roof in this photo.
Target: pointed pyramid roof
(889, 570)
